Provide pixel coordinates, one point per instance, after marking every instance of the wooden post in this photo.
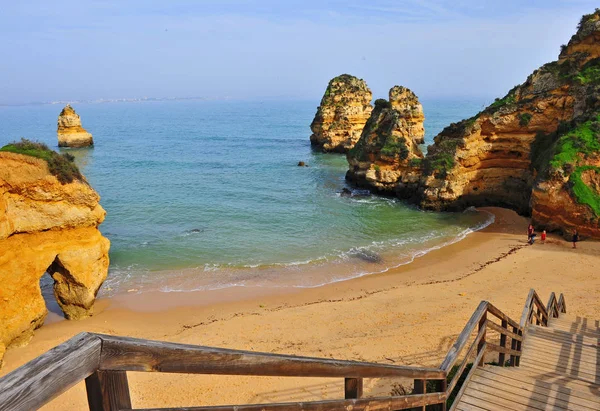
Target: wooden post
(420, 388)
(353, 388)
(518, 358)
(513, 346)
(501, 356)
(481, 345)
(108, 391)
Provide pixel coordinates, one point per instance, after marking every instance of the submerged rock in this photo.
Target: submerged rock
(70, 133)
(46, 225)
(344, 110)
(387, 153)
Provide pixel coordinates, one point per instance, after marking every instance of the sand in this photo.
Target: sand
(410, 316)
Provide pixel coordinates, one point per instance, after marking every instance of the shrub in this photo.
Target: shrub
(382, 103)
(524, 119)
(61, 166)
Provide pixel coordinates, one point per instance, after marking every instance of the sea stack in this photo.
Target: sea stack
(47, 224)
(536, 150)
(344, 110)
(387, 153)
(70, 132)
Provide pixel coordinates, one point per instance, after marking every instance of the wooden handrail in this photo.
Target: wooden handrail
(104, 360)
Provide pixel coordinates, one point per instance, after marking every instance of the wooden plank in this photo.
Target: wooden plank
(108, 391)
(481, 343)
(563, 337)
(504, 331)
(131, 354)
(531, 385)
(47, 376)
(527, 309)
(551, 377)
(513, 346)
(551, 307)
(353, 388)
(465, 361)
(469, 407)
(494, 404)
(468, 378)
(504, 350)
(500, 315)
(558, 371)
(572, 329)
(562, 305)
(591, 326)
(363, 404)
(580, 352)
(509, 391)
(570, 367)
(463, 337)
(511, 401)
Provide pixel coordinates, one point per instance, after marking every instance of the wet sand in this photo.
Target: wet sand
(410, 315)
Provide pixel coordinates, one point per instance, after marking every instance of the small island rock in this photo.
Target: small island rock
(70, 133)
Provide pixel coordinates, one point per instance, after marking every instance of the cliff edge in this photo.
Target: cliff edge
(536, 150)
(49, 219)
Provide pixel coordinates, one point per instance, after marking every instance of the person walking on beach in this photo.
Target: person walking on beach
(530, 234)
(544, 237)
(575, 239)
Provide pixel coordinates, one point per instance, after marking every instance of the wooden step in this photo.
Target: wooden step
(563, 389)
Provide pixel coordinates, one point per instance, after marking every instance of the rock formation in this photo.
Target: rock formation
(46, 225)
(344, 110)
(536, 150)
(70, 132)
(387, 154)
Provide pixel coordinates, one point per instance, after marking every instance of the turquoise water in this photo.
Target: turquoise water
(205, 194)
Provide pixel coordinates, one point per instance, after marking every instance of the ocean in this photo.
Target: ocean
(207, 194)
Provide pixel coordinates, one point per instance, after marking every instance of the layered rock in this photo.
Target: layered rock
(344, 110)
(387, 155)
(46, 226)
(70, 132)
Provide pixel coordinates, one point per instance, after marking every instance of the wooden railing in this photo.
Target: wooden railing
(103, 362)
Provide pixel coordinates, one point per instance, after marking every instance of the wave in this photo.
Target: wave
(336, 266)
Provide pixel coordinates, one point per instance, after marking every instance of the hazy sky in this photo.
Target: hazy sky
(67, 50)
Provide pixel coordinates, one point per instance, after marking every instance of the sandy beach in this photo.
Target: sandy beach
(408, 316)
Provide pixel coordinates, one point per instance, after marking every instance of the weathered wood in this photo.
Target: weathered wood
(527, 309)
(131, 354)
(108, 391)
(363, 404)
(552, 305)
(500, 349)
(353, 388)
(460, 393)
(463, 337)
(481, 344)
(464, 362)
(502, 355)
(562, 305)
(47, 376)
(501, 316)
(513, 346)
(504, 331)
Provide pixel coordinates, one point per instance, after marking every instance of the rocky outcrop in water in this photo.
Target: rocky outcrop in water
(46, 225)
(70, 132)
(536, 150)
(387, 155)
(344, 110)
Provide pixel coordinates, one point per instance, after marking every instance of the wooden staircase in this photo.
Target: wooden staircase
(559, 369)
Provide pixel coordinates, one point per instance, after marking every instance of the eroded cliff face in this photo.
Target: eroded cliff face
(536, 150)
(46, 225)
(344, 110)
(387, 155)
(70, 132)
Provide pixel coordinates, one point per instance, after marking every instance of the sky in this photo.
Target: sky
(274, 49)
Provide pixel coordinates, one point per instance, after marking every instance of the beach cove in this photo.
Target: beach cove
(408, 316)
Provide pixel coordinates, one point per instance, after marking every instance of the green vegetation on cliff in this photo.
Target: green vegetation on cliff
(583, 192)
(61, 166)
(590, 72)
(576, 143)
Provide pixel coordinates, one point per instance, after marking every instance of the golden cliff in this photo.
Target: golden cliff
(537, 150)
(344, 110)
(387, 155)
(70, 133)
(46, 226)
